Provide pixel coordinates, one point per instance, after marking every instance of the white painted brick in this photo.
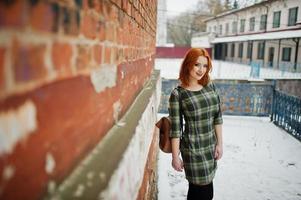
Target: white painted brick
(16, 125)
(104, 77)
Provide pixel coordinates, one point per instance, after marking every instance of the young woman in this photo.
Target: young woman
(201, 143)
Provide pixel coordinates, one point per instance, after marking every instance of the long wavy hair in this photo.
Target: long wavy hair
(188, 63)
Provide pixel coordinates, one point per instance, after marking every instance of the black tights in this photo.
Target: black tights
(200, 192)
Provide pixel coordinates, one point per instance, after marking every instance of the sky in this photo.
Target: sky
(175, 7)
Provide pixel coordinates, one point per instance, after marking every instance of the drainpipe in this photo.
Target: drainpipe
(296, 40)
(251, 56)
(279, 44)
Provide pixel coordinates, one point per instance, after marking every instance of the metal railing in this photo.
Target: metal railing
(251, 99)
(286, 113)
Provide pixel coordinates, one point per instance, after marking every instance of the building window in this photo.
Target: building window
(249, 50)
(263, 22)
(227, 28)
(210, 29)
(220, 29)
(226, 49)
(286, 54)
(292, 16)
(260, 52)
(242, 25)
(232, 50)
(252, 24)
(276, 19)
(234, 27)
(240, 50)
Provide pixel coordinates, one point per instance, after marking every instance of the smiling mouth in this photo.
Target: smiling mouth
(199, 74)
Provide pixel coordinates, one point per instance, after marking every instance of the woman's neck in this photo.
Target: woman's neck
(194, 83)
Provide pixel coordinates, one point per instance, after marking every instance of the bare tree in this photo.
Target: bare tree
(181, 28)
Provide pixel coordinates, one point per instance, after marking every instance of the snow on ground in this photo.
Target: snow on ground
(222, 70)
(260, 161)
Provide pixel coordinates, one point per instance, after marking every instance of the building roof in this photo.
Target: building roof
(238, 10)
(260, 36)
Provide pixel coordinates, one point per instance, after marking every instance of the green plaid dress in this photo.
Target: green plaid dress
(201, 111)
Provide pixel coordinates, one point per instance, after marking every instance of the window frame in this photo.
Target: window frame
(233, 50)
(284, 57)
(276, 24)
(234, 27)
(252, 24)
(260, 50)
(242, 25)
(289, 23)
(263, 23)
(240, 49)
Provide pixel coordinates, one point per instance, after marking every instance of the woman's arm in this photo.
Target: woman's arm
(177, 163)
(219, 145)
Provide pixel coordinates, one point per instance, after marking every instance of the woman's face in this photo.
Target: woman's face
(199, 69)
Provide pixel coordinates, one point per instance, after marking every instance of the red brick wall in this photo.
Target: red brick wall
(68, 70)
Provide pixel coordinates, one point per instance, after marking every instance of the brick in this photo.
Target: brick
(107, 9)
(28, 62)
(89, 26)
(110, 32)
(61, 58)
(41, 17)
(101, 31)
(98, 6)
(2, 74)
(83, 57)
(114, 14)
(97, 52)
(13, 13)
(107, 58)
(70, 21)
(125, 4)
(114, 54)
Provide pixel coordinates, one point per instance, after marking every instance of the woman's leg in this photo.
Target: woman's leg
(200, 192)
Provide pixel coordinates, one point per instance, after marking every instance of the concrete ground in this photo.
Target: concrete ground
(260, 161)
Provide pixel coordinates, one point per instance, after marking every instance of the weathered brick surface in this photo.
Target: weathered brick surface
(53, 50)
(13, 14)
(41, 16)
(28, 61)
(61, 58)
(148, 189)
(2, 75)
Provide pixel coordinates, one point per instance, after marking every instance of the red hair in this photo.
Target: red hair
(188, 63)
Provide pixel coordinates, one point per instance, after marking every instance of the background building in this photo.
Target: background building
(267, 33)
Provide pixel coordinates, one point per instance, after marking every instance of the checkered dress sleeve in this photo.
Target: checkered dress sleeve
(174, 114)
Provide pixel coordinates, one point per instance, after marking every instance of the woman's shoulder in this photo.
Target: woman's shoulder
(211, 85)
(175, 91)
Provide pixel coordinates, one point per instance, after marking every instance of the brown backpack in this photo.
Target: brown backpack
(164, 125)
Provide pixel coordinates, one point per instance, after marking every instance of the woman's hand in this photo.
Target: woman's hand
(177, 164)
(218, 153)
